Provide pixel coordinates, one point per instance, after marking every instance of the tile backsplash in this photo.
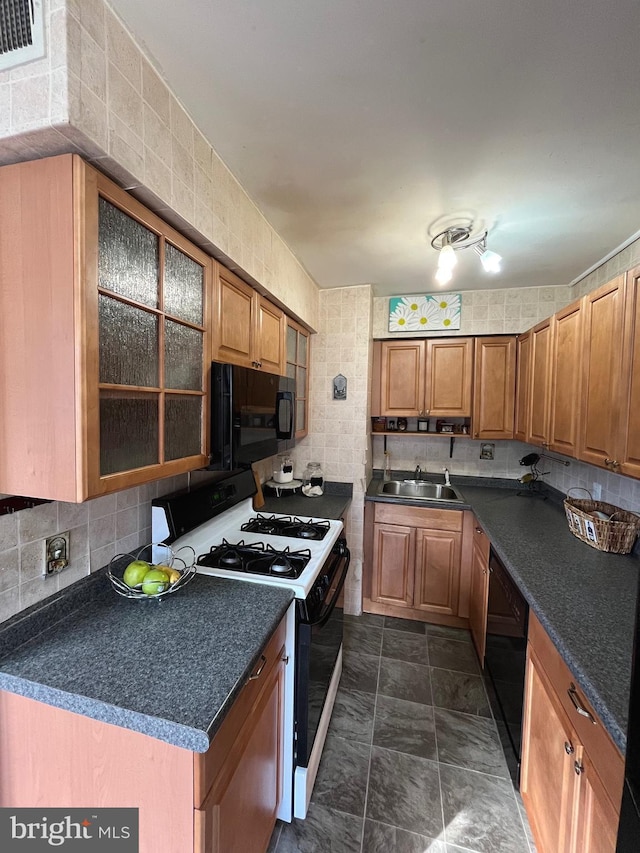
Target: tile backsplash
(100, 529)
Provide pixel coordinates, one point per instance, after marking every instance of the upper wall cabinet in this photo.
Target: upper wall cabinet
(298, 369)
(565, 397)
(630, 451)
(539, 384)
(425, 377)
(603, 312)
(247, 329)
(523, 374)
(104, 347)
(493, 387)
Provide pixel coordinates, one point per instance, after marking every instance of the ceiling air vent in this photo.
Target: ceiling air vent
(21, 32)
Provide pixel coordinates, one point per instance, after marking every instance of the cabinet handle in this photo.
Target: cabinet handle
(568, 747)
(258, 672)
(285, 659)
(612, 463)
(578, 766)
(573, 695)
(480, 531)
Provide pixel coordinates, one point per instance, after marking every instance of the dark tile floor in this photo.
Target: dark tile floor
(412, 762)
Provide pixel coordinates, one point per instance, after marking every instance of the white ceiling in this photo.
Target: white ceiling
(355, 124)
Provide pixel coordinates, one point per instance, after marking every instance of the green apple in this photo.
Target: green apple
(135, 572)
(155, 581)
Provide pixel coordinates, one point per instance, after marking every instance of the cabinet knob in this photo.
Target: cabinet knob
(568, 747)
(578, 766)
(480, 531)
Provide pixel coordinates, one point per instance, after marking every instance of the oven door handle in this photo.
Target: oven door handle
(327, 610)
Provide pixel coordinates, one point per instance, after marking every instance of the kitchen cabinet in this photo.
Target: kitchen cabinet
(603, 313)
(298, 340)
(238, 782)
(424, 377)
(540, 384)
(104, 341)
(221, 801)
(494, 387)
(413, 568)
(565, 391)
(572, 773)
(247, 329)
(523, 372)
(630, 453)
(479, 590)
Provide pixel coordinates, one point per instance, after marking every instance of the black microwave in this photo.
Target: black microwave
(252, 416)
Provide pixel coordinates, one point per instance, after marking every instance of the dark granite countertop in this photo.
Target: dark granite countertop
(583, 597)
(332, 504)
(170, 669)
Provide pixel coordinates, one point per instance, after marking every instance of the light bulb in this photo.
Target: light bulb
(443, 275)
(490, 261)
(447, 258)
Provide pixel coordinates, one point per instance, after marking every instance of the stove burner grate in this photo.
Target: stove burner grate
(256, 558)
(287, 525)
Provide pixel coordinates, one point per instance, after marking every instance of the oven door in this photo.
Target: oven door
(318, 669)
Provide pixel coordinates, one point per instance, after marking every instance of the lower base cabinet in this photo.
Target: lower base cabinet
(572, 773)
(413, 566)
(242, 770)
(221, 801)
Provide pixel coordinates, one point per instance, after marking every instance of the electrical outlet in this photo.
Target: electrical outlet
(596, 491)
(57, 553)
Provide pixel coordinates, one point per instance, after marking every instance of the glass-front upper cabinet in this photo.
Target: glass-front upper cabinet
(152, 286)
(298, 369)
(104, 335)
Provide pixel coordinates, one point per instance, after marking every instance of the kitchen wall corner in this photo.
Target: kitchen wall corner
(339, 429)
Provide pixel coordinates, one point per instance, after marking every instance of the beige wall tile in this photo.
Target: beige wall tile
(155, 93)
(181, 126)
(30, 102)
(123, 52)
(9, 569)
(124, 101)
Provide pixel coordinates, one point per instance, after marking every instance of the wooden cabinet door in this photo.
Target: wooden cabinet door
(437, 571)
(239, 813)
(449, 376)
(494, 387)
(523, 369)
(547, 777)
(630, 457)
(566, 370)
(298, 340)
(538, 422)
(601, 376)
(393, 565)
(402, 378)
(233, 319)
(110, 391)
(270, 337)
(479, 592)
(596, 824)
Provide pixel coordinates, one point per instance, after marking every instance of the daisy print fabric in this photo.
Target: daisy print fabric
(431, 312)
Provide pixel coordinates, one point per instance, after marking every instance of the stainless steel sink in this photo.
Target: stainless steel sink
(419, 489)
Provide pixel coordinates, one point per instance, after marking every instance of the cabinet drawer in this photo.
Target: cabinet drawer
(413, 516)
(481, 540)
(603, 753)
(208, 764)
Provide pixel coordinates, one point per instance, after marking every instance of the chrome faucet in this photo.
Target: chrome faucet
(417, 474)
(447, 481)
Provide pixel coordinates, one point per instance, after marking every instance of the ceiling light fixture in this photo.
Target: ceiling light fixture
(457, 237)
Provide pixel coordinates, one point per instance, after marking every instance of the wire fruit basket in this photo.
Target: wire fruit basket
(183, 561)
(602, 525)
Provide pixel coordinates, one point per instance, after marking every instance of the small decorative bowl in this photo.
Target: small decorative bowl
(183, 560)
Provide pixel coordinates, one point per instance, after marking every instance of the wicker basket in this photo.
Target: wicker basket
(615, 534)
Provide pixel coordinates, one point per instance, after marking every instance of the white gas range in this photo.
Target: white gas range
(305, 554)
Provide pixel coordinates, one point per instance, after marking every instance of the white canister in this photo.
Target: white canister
(283, 471)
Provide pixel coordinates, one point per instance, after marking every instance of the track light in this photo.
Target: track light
(461, 237)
